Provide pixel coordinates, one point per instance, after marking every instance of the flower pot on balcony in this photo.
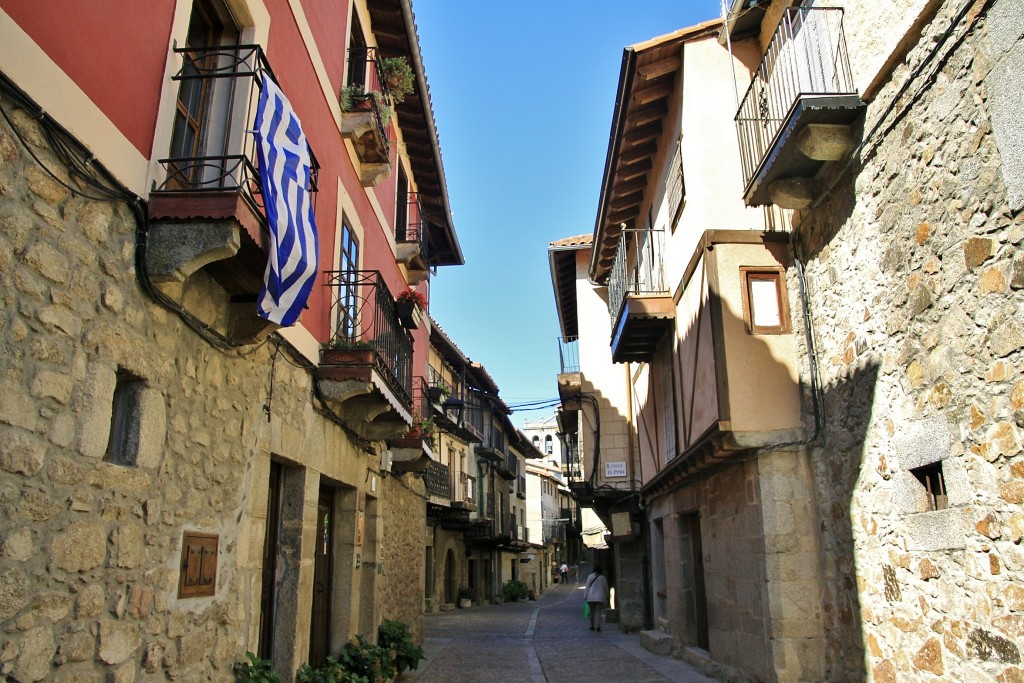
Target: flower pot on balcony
(350, 356)
(408, 314)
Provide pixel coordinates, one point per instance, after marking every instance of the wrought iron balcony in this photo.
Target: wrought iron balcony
(639, 302)
(414, 450)
(366, 115)
(796, 112)
(464, 491)
(369, 356)
(411, 238)
(207, 213)
(573, 467)
(509, 468)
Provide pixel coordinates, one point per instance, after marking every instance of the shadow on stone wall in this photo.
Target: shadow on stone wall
(837, 458)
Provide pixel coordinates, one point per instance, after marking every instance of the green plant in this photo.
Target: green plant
(349, 95)
(331, 672)
(465, 594)
(395, 636)
(398, 77)
(373, 662)
(256, 670)
(515, 590)
(347, 343)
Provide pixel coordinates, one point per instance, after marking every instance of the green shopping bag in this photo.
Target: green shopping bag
(586, 610)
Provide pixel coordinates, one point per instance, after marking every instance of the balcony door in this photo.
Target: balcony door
(348, 293)
(201, 111)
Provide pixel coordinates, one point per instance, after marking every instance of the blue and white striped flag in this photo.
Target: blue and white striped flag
(285, 172)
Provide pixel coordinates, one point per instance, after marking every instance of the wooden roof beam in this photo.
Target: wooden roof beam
(660, 68)
(643, 96)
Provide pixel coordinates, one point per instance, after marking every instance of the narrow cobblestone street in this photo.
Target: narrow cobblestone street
(539, 641)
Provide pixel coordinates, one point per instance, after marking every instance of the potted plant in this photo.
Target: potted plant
(408, 305)
(438, 393)
(465, 598)
(398, 77)
(514, 590)
(395, 637)
(347, 351)
(351, 97)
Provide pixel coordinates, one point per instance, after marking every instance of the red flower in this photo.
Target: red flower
(414, 296)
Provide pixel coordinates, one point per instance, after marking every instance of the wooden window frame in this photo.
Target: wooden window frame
(778, 276)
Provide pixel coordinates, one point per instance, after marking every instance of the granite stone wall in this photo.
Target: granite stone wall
(915, 280)
(90, 550)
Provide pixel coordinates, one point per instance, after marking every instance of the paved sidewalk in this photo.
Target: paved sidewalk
(541, 641)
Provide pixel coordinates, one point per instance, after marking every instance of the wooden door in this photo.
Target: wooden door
(320, 623)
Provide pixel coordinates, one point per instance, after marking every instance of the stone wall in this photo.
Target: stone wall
(402, 556)
(90, 550)
(915, 279)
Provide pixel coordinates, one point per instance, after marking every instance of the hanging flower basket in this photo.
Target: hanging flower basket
(409, 306)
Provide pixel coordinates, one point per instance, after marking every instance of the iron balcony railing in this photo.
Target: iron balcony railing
(569, 354)
(437, 381)
(638, 268)
(215, 151)
(436, 480)
(365, 90)
(364, 316)
(414, 228)
(465, 488)
(572, 469)
(806, 57)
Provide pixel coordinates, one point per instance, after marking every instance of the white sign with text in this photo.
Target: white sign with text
(614, 469)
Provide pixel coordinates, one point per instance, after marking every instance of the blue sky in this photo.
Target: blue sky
(523, 95)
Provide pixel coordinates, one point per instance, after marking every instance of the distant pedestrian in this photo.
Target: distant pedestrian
(596, 595)
(564, 569)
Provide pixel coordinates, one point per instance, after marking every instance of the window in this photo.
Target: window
(348, 264)
(194, 134)
(401, 205)
(934, 484)
(357, 53)
(198, 575)
(123, 442)
(676, 186)
(765, 303)
(548, 446)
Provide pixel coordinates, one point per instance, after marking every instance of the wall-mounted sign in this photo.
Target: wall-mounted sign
(614, 469)
(622, 525)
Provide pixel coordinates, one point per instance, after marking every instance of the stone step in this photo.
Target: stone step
(658, 642)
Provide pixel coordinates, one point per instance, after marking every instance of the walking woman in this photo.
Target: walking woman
(597, 595)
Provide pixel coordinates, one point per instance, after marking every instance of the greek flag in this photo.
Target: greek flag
(285, 173)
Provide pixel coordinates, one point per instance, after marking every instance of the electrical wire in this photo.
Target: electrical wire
(82, 165)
